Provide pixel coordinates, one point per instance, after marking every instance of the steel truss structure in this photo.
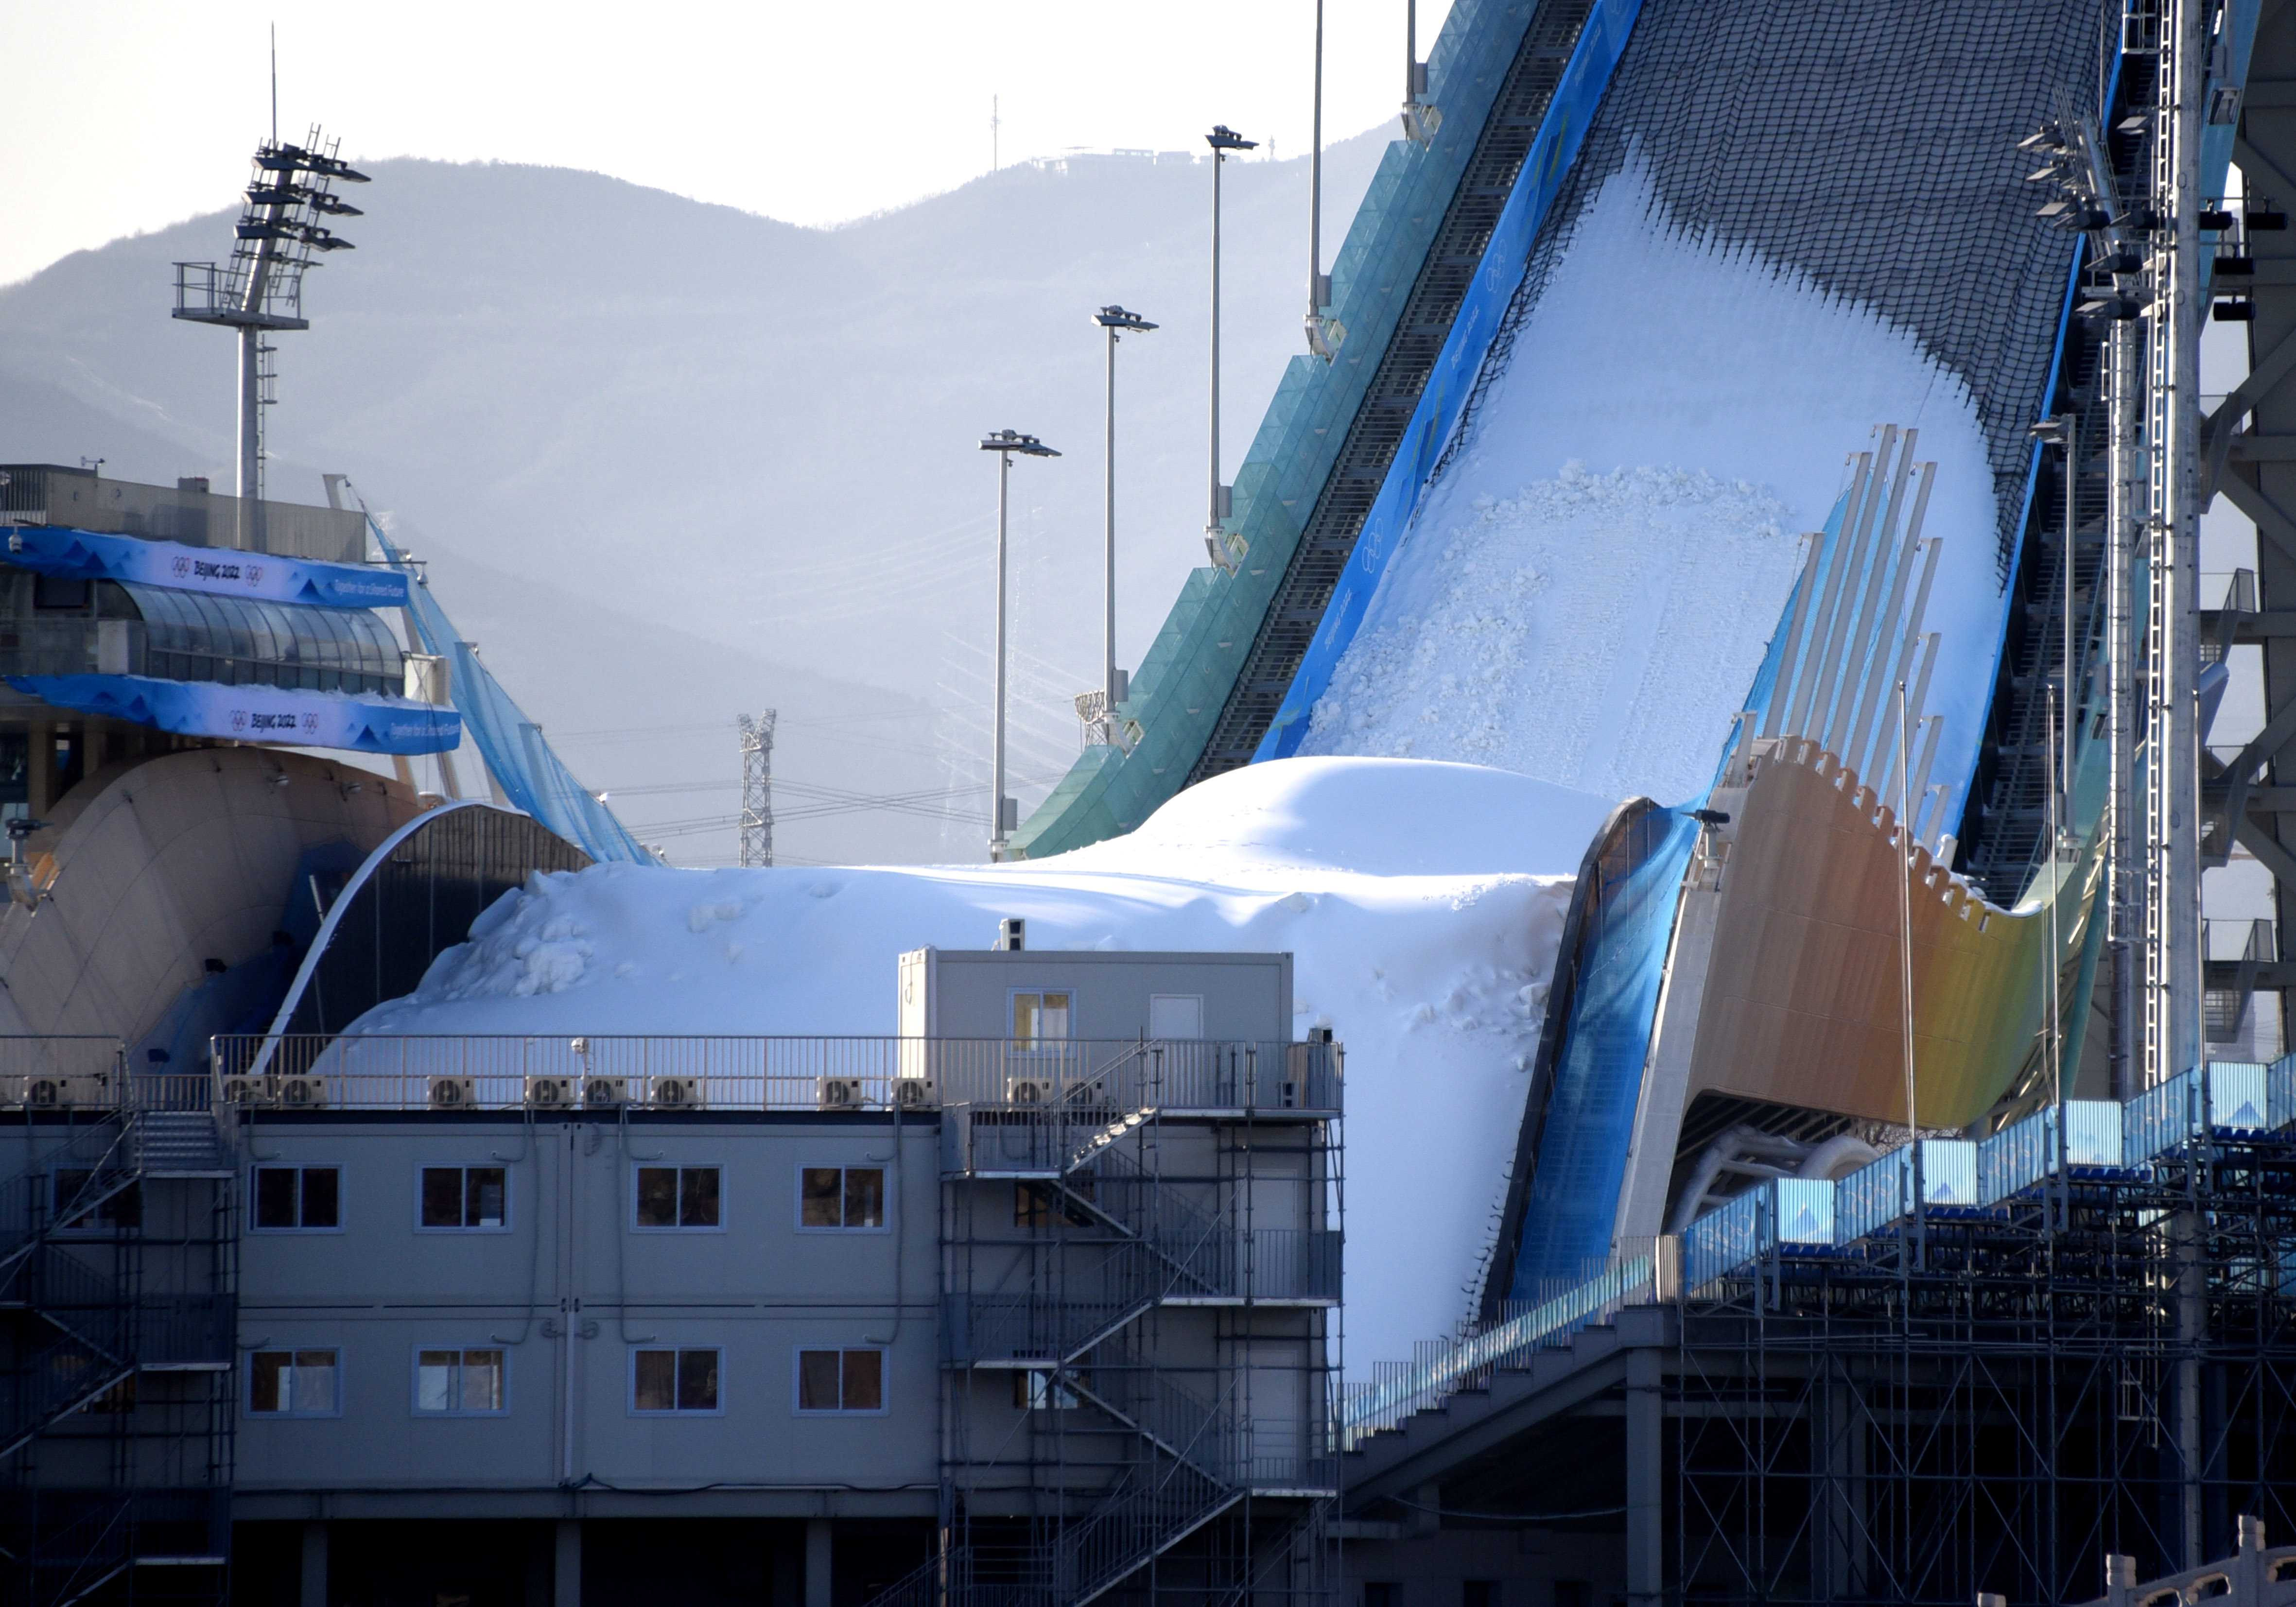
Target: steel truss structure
(119, 1260)
(1992, 1401)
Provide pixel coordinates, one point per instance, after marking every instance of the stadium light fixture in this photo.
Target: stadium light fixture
(1003, 812)
(1118, 323)
(1421, 116)
(260, 289)
(1324, 333)
(1225, 548)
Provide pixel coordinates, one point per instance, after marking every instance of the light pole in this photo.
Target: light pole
(1002, 817)
(1323, 333)
(1118, 323)
(1420, 117)
(1222, 139)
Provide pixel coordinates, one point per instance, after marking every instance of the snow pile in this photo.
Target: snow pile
(1525, 645)
(1422, 904)
(1586, 592)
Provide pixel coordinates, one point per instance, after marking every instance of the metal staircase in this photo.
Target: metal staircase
(1135, 1464)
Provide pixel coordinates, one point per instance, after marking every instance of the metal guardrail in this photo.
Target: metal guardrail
(1072, 1084)
(1443, 1367)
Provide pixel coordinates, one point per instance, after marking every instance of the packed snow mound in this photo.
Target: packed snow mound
(1588, 628)
(1380, 817)
(1586, 592)
(1421, 903)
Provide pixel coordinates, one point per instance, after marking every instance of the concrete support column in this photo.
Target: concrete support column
(566, 1564)
(40, 769)
(1646, 1479)
(817, 1562)
(313, 1588)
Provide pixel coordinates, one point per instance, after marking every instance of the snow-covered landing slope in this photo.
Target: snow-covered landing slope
(1423, 902)
(1586, 594)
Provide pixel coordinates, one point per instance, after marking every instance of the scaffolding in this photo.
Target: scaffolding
(1969, 1367)
(118, 1273)
(1993, 1400)
(1139, 1262)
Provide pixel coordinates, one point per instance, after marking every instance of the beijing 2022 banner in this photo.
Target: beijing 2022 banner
(84, 554)
(256, 714)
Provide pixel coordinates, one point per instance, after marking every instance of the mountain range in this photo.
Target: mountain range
(670, 461)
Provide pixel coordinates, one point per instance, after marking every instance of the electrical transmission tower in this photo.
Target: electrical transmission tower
(756, 787)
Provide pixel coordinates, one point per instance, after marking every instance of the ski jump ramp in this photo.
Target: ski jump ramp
(1684, 412)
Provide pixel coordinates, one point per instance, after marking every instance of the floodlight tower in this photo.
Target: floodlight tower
(1222, 139)
(1004, 814)
(260, 289)
(1118, 323)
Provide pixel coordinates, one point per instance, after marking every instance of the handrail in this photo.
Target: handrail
(1073, 1085)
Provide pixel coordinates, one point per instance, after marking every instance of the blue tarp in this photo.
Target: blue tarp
(84, 555)
(532, 776)
(359, 723)
(1601, 43)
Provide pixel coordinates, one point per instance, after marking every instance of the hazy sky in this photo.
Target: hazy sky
(131, 114)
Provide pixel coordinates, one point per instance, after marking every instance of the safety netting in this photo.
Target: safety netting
(1184, 680)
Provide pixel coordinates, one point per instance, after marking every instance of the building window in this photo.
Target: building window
(1175, 1015)
(840, 1380)
(297, 1199)
(677, 1197)
(465, 1197)
(673, 1381)
(842, 1196)
(294, 1383)
(1034, 1391)
(121, 1209)
(117, 1401)
(459, 1383)
(1040, 1018)
(64, 592)
(1041, 1205)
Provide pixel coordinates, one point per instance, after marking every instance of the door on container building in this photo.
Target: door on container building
(1176, 1021)
(1273, 1421)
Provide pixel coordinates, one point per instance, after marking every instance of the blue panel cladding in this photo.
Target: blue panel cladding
(1572, 1206)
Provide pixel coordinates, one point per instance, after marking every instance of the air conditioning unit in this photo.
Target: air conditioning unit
(841, 1094)
(1029, 1090)
(552, 1093)
(454, 1092)
(915, 1092)
(605, 1093)
(251, 1090)
(58, 1093)
(309, 1092)
(678, 1093)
